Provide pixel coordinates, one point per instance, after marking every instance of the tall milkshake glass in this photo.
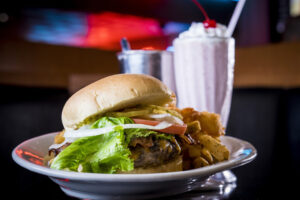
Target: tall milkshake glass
(204, 66)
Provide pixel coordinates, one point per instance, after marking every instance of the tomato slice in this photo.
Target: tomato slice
(175, 129)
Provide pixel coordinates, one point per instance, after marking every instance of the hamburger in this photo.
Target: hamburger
(129, 123)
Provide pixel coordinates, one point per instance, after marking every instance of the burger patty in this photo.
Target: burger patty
(151, 152)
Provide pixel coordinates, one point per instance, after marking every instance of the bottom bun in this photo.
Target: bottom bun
(172, 166)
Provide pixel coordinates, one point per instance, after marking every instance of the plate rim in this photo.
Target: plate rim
(153, 177)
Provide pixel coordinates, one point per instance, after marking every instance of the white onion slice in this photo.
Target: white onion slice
(56, 146)
(99, 131)
(166, 117)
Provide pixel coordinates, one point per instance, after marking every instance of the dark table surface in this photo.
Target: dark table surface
(267, 118)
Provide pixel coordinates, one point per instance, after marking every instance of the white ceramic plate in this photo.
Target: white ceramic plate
(30, 153)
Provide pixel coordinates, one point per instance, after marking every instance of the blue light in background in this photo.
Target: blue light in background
(175, 28)
(56, 27)
(170, 48)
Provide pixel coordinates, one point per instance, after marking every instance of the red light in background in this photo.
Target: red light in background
(102, 30)
(105, 30)
(148, 48)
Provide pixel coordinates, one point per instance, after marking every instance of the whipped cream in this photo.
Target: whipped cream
(198, 30)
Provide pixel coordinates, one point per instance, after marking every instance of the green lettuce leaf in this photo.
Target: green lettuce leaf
(99, 154)
(129, 133)
(107, 153)
(111, 121)
(135, 133)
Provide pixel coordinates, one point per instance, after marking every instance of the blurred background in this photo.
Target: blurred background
(50, 49)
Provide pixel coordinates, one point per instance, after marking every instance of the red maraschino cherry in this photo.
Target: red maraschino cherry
(208, 23)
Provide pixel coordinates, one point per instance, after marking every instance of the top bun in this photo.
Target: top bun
(113, 93)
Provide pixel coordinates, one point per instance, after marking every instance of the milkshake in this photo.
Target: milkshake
(204, 66)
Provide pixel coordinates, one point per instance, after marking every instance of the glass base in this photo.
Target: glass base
(226, 176)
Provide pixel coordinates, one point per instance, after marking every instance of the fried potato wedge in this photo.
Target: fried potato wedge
(219, 151)
(194, 151)
(193, 127)
(200, 162)
(207, 155)
(211, 124)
